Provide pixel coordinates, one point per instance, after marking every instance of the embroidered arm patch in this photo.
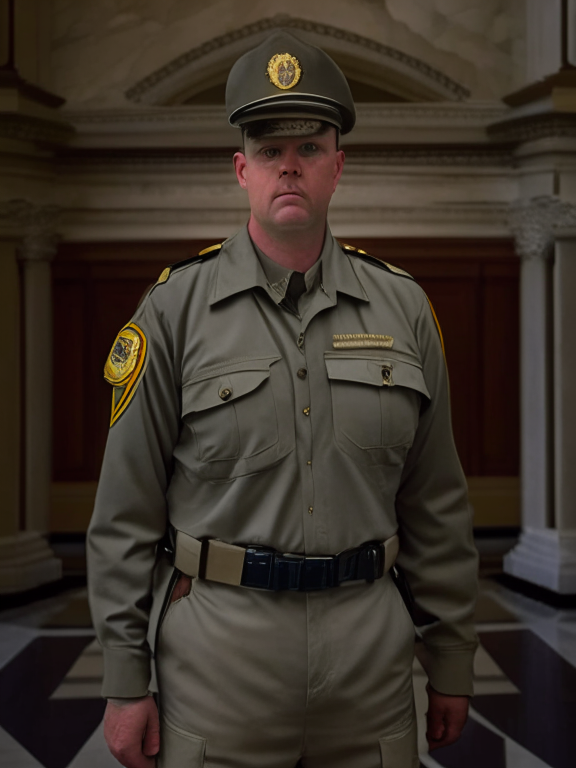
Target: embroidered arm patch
(125, 367)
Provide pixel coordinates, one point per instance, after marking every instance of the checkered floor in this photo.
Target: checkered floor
(523, 714)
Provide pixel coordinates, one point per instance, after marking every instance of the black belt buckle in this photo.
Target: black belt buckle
(301, 573)
(258, 569)
(320, 573)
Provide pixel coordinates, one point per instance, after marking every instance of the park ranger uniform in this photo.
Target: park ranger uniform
(307, 427)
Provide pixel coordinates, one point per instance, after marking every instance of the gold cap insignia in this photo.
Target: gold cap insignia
(284, 71)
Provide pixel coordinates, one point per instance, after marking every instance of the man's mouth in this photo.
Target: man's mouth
(289, 193)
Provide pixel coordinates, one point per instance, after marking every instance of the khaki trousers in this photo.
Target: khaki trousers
(257, 679)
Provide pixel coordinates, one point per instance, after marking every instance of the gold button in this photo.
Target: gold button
(309, 463)
(302, 373)
(225, 393)
(300, 341)
(310, 510)
(306, 411)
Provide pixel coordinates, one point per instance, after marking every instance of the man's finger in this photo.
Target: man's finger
(151, 744)
(446, 717)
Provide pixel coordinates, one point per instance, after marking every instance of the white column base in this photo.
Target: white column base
(546, 557)
(26, 561)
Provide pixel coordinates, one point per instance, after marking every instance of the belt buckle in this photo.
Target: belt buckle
(288, 571)
(320, 573)
(258, 570)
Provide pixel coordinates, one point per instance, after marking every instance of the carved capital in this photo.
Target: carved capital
(534, 223)
(38, 224)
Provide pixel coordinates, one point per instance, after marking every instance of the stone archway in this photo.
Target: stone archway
(375, 66)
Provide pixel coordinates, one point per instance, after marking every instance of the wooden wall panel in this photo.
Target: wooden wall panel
(472, 284)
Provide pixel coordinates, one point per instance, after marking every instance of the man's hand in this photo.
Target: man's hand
(445, 719)
(132, 732)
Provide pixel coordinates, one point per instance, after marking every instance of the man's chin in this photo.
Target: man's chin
(292, 217)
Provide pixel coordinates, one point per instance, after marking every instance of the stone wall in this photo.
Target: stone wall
(100, 48)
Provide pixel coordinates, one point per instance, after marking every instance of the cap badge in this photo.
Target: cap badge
(284, 71)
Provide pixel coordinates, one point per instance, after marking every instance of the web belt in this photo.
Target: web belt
(265, 568)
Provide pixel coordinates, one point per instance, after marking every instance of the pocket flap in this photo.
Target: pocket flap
(225, 384)
(179, 749)
(400, 751)
(372, 370)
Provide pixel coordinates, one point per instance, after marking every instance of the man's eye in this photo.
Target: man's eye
(270, 153)
(309, 148)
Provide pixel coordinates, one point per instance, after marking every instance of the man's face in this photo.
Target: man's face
(290, 180)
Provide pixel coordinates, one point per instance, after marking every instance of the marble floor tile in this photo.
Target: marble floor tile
(523, 714)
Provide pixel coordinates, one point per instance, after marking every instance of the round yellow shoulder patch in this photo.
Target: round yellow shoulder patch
(124, 356)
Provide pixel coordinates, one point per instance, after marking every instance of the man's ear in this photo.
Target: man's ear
(240, 168)
(340, 157)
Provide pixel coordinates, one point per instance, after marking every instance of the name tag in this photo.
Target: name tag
(362, 341)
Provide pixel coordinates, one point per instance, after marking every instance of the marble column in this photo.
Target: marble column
(36, 254)
(546, 552)
(26, 560)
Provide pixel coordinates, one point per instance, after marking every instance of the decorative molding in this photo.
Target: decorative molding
(533, 224)
(546, 557)
(38, 224)
(27, 128)
(391, 155)
(147, 89)
(26, 562)
(433, 156)
(460, 113)
(534, 127)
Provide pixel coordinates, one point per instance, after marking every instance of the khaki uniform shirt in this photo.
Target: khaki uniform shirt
(319, 445)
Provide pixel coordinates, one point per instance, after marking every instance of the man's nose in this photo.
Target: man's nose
(290, 165)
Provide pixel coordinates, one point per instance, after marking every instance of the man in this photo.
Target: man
(281, 408)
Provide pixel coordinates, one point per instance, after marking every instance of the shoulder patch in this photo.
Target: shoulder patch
(202, 256)
(125, 367)
(373, 260)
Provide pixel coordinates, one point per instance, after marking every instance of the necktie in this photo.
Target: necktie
(296, 287)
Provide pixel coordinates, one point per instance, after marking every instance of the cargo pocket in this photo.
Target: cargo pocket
(179, 749)
(376, 404)
(400, 750)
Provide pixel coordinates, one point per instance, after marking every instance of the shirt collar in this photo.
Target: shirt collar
(239, 269)
(278, 276)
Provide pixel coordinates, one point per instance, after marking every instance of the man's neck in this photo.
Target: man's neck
(297, 250)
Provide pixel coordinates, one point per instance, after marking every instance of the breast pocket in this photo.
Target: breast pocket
(234, 416)
(375, 405)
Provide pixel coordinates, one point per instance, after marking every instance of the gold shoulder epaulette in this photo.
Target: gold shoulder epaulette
(165, 274)
(373, 260)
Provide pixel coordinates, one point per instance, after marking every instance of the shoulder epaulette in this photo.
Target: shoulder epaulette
(376, 262)
(207, 253)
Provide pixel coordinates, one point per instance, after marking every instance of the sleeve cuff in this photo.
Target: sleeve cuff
(126, 673)
(449, 671)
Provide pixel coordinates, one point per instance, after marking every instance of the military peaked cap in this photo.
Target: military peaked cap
(286, 77)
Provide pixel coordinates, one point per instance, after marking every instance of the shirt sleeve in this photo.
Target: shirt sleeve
(130, 515)
(437, 552)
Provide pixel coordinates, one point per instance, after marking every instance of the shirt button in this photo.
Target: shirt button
(300, 341)
(225, 393)
(309, 463)
(310, 510)
(306, 411)
(302, 373)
